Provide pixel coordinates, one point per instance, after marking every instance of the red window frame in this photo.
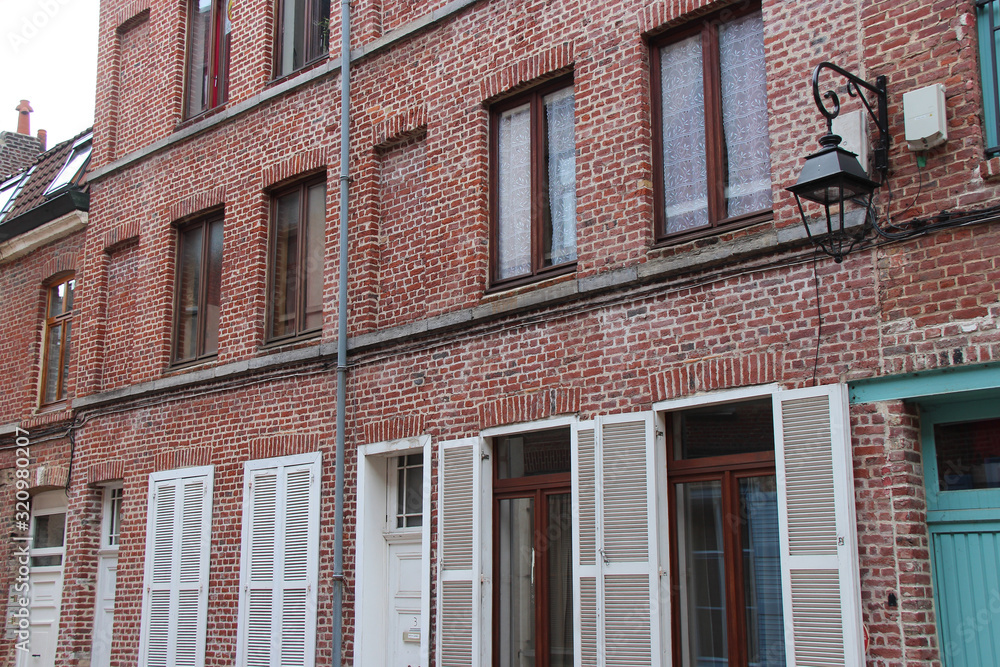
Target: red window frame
(63, 320)
(216, 53)
(539, 190)
(708, 27)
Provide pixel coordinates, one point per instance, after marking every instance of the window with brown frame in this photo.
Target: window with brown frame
(298, 233)
(533, 184)
(533, 550)
(209, 28)
(727, 604)
(712, 163)
(58, 334)
(198, 287)
(303, 34)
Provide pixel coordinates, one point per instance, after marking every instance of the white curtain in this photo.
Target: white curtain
(744, 115)
(685, 177)
(561, 147)
(514, 234)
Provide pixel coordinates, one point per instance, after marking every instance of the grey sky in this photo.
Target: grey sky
(48, 55)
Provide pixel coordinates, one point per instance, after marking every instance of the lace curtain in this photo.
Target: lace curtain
(560, 244)
(685, 175)
(747, 151)
(744, 115)
(514, 237)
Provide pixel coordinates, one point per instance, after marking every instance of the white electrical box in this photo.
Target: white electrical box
(924, 117)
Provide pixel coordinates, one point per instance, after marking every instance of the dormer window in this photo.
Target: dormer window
(74, 167)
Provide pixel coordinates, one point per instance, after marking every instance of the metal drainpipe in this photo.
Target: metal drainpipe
(345, 145)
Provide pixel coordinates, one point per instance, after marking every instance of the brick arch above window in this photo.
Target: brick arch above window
(528, 71)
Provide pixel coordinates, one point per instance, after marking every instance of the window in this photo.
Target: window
(988, 23)
(111, 526)
(533, 551)
(209, 29)
(48, 538)
(728, 598)
(303, 33)
(533, 187)
(279, 569)
(72, 170)
(713, 165)
(298, 238)
(175, 590)
(408, 491)
(10, 189)
(58, 333)
(199, 287)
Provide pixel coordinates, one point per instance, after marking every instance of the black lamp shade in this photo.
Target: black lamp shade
(832, 175)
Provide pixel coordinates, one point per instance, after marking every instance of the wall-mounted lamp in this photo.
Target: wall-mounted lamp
(833, 175)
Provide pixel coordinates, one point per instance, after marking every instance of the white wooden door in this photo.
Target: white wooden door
(46, 592)
(404, 578)
(104, 612)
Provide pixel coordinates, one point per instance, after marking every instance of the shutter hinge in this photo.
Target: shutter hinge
(840, 540)
(485, 456)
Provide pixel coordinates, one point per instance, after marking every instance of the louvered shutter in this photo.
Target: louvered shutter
(627, 514)
(280, 562)
(460, 585)
(816, 517)
(178, 543)
(586, 567)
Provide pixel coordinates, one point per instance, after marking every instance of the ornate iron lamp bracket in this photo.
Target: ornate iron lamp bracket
(875, 101)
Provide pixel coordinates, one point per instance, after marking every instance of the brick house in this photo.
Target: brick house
(605, 403)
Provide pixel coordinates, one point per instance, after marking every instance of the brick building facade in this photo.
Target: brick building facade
(606, 404)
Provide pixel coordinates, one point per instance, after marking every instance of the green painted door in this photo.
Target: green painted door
(962, 474)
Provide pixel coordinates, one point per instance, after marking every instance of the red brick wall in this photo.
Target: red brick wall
(419, 231)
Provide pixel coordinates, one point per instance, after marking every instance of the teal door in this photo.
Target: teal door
(962, 474)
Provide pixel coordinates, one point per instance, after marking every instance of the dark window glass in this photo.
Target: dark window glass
(199, 290)
(298, 237)
(723, 430)
(303, 33)
(410, 491)
(968, 455)
(48, 533)
(209, 30)
(712, 150)
(535, 453)
(534, 183)
(58, 334)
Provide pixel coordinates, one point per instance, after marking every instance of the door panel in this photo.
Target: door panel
(961, 452)
(404, 613)
(966, 563)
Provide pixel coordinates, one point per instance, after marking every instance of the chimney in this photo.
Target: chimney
(23, 121)
(42, 137)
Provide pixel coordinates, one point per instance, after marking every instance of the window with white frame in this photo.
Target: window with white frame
(280, 562)
(178, 545)
(107, 575)
(112, 520)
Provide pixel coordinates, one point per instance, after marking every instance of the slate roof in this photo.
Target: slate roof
(17, 151)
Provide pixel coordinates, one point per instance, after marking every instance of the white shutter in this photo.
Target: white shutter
(279, 570)
(816, 516)
(627, 508)
(460, 583)
(178, 544)
(586, 569)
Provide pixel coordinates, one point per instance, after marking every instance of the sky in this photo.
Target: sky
(48, 56)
